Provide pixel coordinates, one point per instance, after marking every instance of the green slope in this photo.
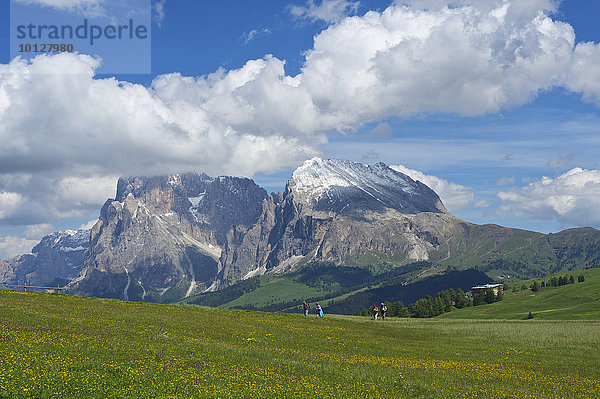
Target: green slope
(494, 250)
(57, 346)
(578, 301)
(316, 282)
(522, 254)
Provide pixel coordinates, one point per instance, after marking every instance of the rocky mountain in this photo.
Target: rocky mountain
(165, 238)
(171, 237)
(56, 260)
(162, 238)
(339, 211)
(342, 187)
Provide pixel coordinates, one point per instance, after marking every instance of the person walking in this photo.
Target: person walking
(375, 311)
(383, 310)
(319, 310)
(306, 307)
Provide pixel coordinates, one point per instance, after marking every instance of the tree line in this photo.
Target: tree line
(428, 306)
(552, 282)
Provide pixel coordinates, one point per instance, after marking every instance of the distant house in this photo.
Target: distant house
(481, 289)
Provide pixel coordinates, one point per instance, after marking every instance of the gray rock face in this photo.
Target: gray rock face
(161, 238)
(165, 238)
(339, 211)
(56, 260)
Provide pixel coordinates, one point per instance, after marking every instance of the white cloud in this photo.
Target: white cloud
(473, 58)
(584, 74)
(11, 246)
(87, 191)
(329, 11)
(247, 37)
(467, 60)
(454, 196)
(382, 131)
(572, 198)
(88, 225)
(92, 8)
(482, 204)
(9, 203)
(562, 160)
(37, 231)
(65, 160)
(159, 12)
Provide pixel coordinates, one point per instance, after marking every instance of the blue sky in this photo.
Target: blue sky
(526, 159)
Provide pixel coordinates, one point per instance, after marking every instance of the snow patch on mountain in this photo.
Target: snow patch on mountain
(332, 184)
(315, 177)
(196, 200)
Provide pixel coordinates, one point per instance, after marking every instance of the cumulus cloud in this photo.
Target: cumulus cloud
(454, 196)
(329, 11)
(467, 60)
(11, 246)
(9, 203)
(67, 136)
(86, 192)
(584, 74)
(92, 8)
(63, 130)
(37, 231)
(572, 198)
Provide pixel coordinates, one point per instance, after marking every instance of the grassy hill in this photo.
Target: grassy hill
(316, 282)
(344, 290)
(58, 346)
(494, 250)
(522, 254)
(498, 250)
(578, 301)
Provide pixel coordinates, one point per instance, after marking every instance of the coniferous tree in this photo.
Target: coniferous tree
(460, 299)
(535, 286)
(478, 299)
(401, 310)
(490, 296)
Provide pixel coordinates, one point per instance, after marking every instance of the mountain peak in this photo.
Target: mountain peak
(337, 185)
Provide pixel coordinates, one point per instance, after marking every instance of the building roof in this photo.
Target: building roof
(485, 286)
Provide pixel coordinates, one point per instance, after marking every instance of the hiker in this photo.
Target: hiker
(375, 311)
(306, 307)
(383, 310)
(318, 310)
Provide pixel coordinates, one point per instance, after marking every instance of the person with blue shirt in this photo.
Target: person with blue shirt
(319, 310)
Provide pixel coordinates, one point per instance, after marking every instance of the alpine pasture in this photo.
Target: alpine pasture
(58, 346)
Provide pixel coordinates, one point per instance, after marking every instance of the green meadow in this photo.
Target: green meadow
(58, 346)
(578, 301)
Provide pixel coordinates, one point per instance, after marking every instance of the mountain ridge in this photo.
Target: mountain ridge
(165, 238)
